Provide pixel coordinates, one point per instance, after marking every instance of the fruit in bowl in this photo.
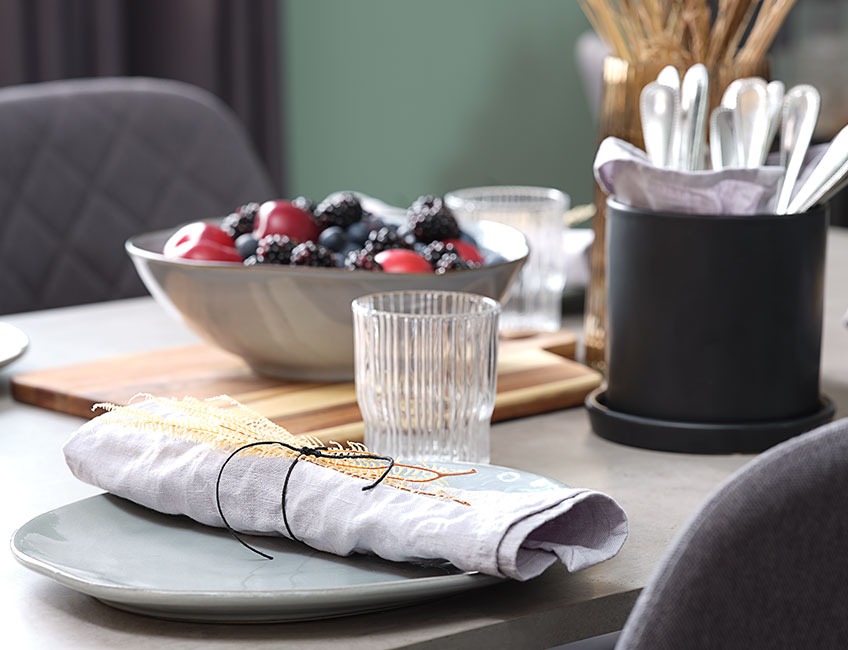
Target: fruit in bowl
(338, 232)
(281, 301)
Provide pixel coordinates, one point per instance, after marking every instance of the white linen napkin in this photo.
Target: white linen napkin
(515, 535)
(625, 172)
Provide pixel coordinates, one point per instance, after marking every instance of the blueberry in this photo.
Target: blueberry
(348, 248)
(333, 238)
(358, 232)
(246, 245)
(341, 255)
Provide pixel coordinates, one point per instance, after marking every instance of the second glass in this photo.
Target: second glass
(534, 302)
(426, 373)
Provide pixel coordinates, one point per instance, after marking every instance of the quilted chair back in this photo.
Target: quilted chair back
(86, 163)
(764, 564)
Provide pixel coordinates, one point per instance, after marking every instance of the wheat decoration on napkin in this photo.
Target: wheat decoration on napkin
(222, 464)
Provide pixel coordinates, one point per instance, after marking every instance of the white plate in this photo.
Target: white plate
(13, 343)
(172, 567)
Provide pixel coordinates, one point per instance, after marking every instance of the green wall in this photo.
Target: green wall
(398, 98)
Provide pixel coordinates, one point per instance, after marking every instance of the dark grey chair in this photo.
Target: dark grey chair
(763, 564)
(86, 163)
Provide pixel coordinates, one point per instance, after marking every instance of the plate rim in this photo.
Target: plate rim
(19, 349)
(229, 605)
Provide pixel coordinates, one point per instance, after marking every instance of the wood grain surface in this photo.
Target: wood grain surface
(535, 376)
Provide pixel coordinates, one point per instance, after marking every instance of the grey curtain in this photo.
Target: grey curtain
(228, 47)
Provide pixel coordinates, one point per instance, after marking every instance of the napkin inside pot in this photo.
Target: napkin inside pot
(625, 172)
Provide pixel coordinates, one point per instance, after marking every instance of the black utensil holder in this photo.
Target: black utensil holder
(714, 327)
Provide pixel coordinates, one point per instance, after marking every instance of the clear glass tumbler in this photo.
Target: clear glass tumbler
(426, 373)
(534, 302)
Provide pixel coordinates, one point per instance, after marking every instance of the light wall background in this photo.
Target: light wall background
(398, 98)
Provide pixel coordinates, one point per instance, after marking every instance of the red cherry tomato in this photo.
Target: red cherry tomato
(284, 218)
(402, 260)
(201, 241)
(208, 251)
(468, 251)
(195, 232)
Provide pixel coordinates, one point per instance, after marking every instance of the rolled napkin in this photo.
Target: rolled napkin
(195, 458)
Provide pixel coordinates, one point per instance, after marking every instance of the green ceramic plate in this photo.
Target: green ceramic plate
(171, 567)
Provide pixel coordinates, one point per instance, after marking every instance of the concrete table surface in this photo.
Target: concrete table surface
(659, 491)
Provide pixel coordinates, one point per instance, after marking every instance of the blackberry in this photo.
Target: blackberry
(451, 262)
(345, 251)
(248, 209)
(436, 250)
(311, 254)
(361, 260)
(383, 239)
(305, 204)
(406, 234)
(241, 221)
(430, 219)
(274, 249)
(340, 209)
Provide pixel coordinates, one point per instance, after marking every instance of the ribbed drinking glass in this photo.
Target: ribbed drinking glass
(426, 373)
(534, 302)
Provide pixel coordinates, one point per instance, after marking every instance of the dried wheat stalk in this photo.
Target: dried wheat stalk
(685, 31)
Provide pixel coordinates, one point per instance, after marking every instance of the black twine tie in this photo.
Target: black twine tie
(315, 452)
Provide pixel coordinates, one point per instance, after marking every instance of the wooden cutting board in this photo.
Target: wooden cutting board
(534, 376)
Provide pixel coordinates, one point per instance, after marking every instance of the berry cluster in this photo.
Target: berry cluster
(336, 232)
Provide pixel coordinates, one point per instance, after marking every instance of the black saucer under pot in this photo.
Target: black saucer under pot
(714, 327)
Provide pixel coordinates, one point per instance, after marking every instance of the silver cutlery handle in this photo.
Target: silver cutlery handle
(722, 138)
(694, 90)
(801, 107)
(826, 178)
(658, 106)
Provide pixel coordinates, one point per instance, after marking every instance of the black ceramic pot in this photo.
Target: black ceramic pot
(714, 328)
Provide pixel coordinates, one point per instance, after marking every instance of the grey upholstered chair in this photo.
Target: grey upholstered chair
(86, 163)
(763, 564)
